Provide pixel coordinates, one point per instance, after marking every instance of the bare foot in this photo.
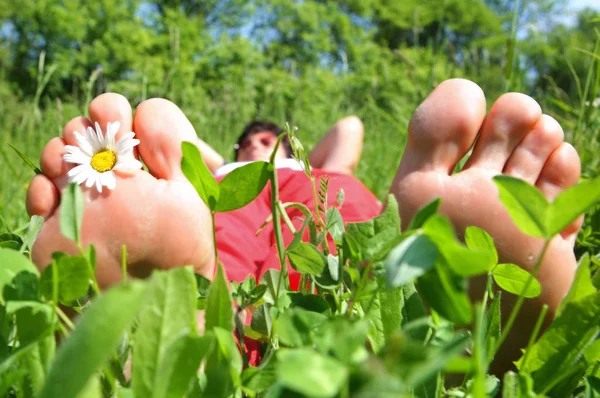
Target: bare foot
(151, 214)
(515, 139)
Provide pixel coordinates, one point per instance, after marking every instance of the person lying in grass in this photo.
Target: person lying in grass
(164, 224)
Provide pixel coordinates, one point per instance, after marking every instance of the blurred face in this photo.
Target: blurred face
(259, 146)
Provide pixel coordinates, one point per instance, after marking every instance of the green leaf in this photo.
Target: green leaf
(294, 326)
(391, 305)
(335, 225)
(563, 344)
(493, 323)
(33, 230)
(223, 366)
(517, 385)
(344, 338)
(74, 278)
(307, 259)
(71, 212)
(242, 185)
(96, 337)
(424, 213)
(24, 286)
(195, 170)
(582, 283)
(376, 237)
(446, 294)
(307, 372)
(477, 238)
(219, 304)
(34, 319)
(179, 367)
(513, 279)
(12, 263)
(261, 320)
(26, 159)
(169, 311)
(526, 205)
(571, 203)
(461, 260)
(409, 260)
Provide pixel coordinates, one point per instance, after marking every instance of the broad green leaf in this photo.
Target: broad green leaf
(14, 368)
(12, 263)
(179, 367)
(461, 260)
(416, 364)
(493, 324)
(293, 327)
(592, 353)
(270, 279)
(446, 294)
(24, 286)
(169, 311)
(344, 338)
(330, 277)
(582, 283)
(477, 238)
(571, 203)
(307, 259)
(33, 230)
(219, 304)
(563, 344)
(517, 385)
(34, 319)
(10, 240)
(414, 312)
(308, 372)
(74, 278)
(513, 279)
(94, 336)
(242, 185)
(526, 205)
(195, 170)
(376, 237)
(335, 225)
(424, 213)
(257, 380)
(71, 212)
(310, 302)
(391, 305)
(261, 320)
(409, 260)
(224, 365)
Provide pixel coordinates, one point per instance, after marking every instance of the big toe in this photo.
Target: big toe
(161, 127)
(443, 127)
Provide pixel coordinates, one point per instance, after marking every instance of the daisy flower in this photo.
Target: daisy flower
(98, 155)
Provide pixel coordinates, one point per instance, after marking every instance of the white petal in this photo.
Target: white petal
(93, 139)
(99, 182)
(127, 146)
(130, 163)
(99, 133)
(124, 139)
(78, 169)
(111, 133)
(83, 175)
(109, 180)
(84, 144)
(78, 158)
(91, 180)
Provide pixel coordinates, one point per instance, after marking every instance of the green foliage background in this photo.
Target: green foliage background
(225, 62)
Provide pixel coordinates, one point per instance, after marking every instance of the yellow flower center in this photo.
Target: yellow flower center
(104, 160)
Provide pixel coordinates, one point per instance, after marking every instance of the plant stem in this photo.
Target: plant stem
(534, 334)
(65, 318)
(519, 304)
(124, 262)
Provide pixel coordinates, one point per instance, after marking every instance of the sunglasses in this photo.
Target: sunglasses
(266, 140)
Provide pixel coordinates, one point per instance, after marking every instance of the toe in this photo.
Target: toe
(530, 156)
(444, 127)
(42, 197)
(560, 172)
(161, 127)
(511, 117)
(111, 108)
